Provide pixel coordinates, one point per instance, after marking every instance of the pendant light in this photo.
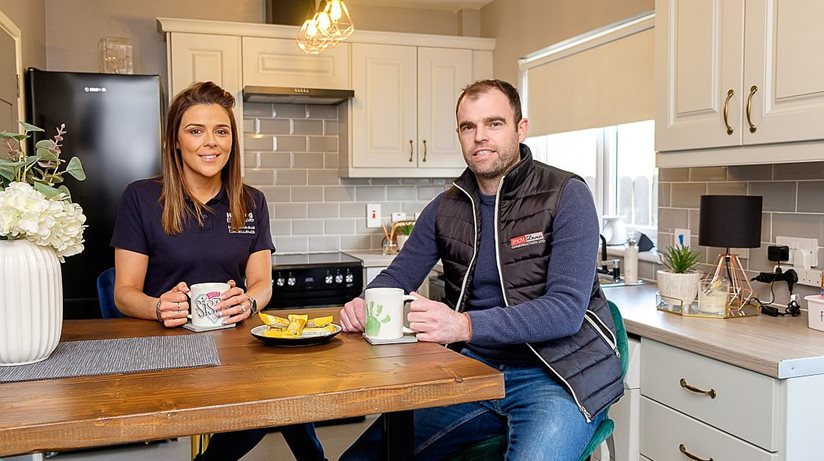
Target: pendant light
(326, 27)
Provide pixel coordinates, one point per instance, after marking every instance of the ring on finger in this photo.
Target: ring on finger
(178, 306)
(242, 308)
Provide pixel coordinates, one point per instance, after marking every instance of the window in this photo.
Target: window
(618, 165)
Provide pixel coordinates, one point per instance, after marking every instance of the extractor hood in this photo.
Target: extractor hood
(287, 95)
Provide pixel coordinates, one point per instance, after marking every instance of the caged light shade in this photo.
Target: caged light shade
(326, 28)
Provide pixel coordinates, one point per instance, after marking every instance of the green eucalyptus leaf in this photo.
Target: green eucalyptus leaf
(65, 190)
(29, 127)
(75, 168)
(44, 143)
(9, 169)
(10, 135)
(30, 160)
(45, 189)
(46, 155)
(53, 178)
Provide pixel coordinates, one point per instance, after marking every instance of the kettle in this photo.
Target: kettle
(615, 231)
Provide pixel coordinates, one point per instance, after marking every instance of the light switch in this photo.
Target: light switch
(373, 215)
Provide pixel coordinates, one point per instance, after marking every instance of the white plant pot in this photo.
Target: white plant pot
(678, 287)
(31, 302)
(401, 240)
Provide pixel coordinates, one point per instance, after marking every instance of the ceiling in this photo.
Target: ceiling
(449, 5)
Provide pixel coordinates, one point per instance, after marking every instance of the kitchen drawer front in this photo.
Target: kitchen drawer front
(746, 403)
(664, 430)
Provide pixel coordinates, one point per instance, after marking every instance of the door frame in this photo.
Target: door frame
(9, 27)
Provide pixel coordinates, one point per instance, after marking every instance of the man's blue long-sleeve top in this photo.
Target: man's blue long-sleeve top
(498, 332)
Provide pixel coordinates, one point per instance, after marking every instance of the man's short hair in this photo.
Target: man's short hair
(482, 86)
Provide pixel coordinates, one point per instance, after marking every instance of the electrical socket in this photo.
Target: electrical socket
(681, 237)
(805, 245)
(373, 215)
(807, 277)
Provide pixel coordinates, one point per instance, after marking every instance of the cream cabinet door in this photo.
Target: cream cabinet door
(699, 69)
(384, 109)
(442, 73)
(279, 62)
(784, 70)
(200, 57)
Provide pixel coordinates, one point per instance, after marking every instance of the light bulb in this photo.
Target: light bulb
(335, 10)
(312, 28)
(323, 21)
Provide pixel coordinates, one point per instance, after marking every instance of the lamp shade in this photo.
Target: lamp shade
(730, 221)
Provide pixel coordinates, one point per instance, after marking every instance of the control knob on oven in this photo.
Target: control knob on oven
(328, 279)
(280, 281)
(339, 278)
(291, 281)
(349, 278)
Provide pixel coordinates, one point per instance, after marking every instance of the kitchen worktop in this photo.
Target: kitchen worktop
(781, 347)
(372, 258)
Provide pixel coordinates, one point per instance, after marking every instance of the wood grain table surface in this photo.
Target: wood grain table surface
(256, 385)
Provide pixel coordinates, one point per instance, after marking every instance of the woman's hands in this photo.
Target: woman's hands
(172, 308)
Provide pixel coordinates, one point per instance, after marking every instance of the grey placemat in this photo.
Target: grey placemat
(127, 355)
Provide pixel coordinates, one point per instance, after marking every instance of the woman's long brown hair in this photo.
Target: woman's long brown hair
(174, 193)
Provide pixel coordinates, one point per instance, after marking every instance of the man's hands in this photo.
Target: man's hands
(431, 320)
(436, 322)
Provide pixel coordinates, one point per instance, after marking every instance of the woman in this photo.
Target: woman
(199, 223)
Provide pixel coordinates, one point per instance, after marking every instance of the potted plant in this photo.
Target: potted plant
(678, 283)
(402, 232)
(39, 226)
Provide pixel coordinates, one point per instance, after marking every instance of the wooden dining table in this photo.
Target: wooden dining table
(256, 385)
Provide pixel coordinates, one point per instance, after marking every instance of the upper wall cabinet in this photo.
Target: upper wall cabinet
(403, 112)
(736, 77)
(278, 62)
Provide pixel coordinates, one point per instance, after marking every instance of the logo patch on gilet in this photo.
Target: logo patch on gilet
(526, 240)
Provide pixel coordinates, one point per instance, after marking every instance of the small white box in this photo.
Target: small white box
(815, 312)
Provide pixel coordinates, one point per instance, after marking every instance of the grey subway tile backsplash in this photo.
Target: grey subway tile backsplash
(796, 171)
(749, 172)
(811, 196)
(708, 173)
(777, 195)
(292, 156)
(687, 195)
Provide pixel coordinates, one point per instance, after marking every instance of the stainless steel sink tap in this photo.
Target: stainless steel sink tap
(615, 271)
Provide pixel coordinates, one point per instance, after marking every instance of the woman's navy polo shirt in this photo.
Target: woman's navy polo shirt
(212, 253)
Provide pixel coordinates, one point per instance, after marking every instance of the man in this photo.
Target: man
(518, 241)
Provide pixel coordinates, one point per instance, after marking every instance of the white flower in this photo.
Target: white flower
(27, 214)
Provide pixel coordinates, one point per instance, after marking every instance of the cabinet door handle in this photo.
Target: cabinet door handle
(424, 150)
(753, 89)
(690, 455)
(730, 93)
(688, 387)
(411, 149)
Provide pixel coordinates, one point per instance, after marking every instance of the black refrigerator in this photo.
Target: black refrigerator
(113, 126)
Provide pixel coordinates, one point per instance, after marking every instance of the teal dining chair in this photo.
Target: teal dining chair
(493, 449)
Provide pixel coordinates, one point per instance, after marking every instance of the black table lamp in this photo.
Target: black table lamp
(730, 221)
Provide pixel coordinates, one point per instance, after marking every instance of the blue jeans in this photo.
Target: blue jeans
(231, 446)
(539, 418)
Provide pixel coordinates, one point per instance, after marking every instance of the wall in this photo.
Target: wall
(523, 26)
(30, 17)
(792, 207)
(292, 156)
(410, 20)
(75, 27)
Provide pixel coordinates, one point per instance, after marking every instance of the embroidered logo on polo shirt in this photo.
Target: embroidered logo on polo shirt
(248, 228)
(526, 240)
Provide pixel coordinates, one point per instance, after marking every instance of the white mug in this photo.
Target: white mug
(384, 312)
(204, 298)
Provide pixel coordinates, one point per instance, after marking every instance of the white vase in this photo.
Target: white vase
(31, 302)
(401, 240)
(678, 288)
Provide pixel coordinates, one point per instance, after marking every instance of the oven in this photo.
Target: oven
(301, 281)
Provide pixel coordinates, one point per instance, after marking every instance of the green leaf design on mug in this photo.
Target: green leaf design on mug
(374, 319)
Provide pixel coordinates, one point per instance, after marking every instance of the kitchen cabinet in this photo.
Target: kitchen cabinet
(720, 411)
(278, 62)
(403, 114)
(404, 105)
(736, 77)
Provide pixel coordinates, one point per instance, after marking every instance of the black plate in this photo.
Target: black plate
(257, 332)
